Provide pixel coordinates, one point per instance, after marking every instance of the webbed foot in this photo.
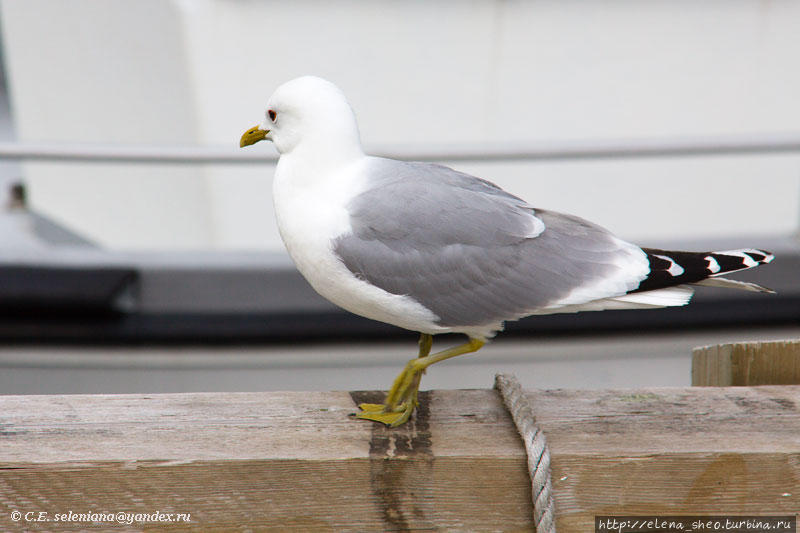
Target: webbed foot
(378, 413)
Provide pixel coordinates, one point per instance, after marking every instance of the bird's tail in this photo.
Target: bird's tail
(668, 268)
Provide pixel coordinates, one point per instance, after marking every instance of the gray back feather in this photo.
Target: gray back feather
(464, 248)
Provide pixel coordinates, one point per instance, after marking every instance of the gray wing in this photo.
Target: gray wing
(465, 249)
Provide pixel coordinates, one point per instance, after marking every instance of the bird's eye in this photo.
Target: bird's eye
(272, 115)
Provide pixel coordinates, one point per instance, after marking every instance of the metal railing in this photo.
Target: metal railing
(775, 143)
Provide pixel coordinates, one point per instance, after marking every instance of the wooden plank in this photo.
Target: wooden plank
(672, 451)
(747, 364)
(281, 461)
(298, 462)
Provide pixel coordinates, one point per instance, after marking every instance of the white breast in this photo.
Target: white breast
(311, 210)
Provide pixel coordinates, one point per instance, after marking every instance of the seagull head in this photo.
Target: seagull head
(307, 112)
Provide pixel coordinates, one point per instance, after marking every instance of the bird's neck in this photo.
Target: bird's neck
(312, 161)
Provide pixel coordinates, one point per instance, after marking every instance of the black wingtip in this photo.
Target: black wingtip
(669, 268)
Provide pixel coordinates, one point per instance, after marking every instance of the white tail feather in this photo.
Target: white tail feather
(733, 284)
(667, 297)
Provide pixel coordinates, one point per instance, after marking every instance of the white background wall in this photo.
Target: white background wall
(200, 72)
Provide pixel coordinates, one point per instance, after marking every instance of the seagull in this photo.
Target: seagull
(434, 250)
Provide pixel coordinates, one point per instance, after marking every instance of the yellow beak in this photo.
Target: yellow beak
(252, 136)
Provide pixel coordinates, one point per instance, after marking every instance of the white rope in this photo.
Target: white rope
(536, 446)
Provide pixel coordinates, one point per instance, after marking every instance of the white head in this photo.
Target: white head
(308, 114)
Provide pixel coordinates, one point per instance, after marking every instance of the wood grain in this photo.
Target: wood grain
(297, 462)
(747, 363)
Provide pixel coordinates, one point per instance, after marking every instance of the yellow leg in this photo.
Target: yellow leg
(402, 397)
(425, 345)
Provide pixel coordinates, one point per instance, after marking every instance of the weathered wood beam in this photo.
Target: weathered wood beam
(747, 363)
(297, 461)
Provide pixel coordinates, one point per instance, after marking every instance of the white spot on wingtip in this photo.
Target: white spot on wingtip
(713, 266)
(748, 260)
(674, 269)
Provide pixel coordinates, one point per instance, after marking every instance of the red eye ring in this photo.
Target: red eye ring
(272, 115)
